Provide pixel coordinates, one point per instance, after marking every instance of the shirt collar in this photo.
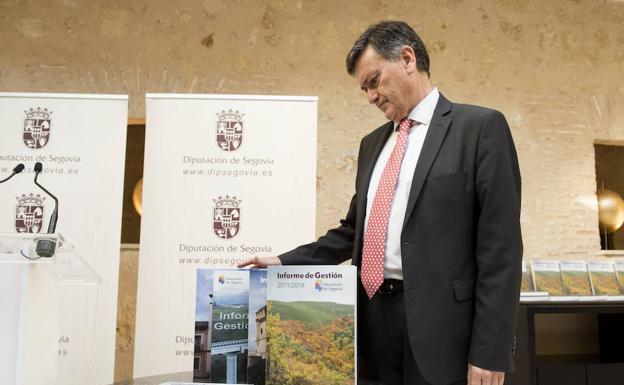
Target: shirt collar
(423, 112)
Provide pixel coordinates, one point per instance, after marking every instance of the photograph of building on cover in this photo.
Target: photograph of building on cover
(230, 326)
(203, 318)
(257, 354)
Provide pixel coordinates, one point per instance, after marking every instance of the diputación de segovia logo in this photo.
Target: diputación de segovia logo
(37, 125)
(229, 130)
(29, 213)
(226, 217)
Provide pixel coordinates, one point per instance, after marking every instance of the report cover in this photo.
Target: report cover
(547, 277)
(257, 354)
(203, 330)
(603, 278)
(230, 326)
(527, 279)
(619, 272)
(575, 278)
(311, 325)
(527, 290)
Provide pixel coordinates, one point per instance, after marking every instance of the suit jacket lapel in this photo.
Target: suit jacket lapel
(433, 141)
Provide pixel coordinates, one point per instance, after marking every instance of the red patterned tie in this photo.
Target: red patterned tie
(376, 232)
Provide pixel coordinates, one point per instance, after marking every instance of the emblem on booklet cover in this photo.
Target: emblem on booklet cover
(229, 130)
(226, 217)
(37, 125)
(29, 213)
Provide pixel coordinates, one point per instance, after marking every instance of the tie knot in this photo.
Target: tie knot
(405, 125)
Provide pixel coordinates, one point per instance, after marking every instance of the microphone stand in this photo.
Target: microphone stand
(19, 168)
(46, 247)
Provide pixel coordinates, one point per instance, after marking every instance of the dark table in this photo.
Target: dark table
(605, 368)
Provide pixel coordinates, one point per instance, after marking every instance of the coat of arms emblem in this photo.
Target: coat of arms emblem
(29, 213)
(37, 125)
(229, 130)
(226, 217)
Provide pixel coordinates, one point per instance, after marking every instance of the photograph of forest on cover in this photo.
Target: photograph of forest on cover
(527, 281)
(576, 283)
(605, 283)
(549, 281)
(310, 343)
(619, 273)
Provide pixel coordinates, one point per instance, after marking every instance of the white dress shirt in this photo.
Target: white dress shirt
(421, 115)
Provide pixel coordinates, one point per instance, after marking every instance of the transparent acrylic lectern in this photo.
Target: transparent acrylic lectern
(47, 310)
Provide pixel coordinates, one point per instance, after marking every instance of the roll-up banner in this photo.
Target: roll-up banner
(80, 140)
(226, 177)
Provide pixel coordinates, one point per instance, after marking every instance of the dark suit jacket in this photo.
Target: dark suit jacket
(461, 242)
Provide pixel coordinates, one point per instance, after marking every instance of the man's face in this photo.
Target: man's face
(385, 83)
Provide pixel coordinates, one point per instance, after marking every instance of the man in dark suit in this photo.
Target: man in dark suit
(433, 226)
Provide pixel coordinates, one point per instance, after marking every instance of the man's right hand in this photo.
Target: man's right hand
(260, 262)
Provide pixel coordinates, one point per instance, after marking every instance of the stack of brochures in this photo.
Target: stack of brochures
(287, 325)
(572, 281)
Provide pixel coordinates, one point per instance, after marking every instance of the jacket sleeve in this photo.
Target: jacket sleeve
(334, 247)
(498, 246)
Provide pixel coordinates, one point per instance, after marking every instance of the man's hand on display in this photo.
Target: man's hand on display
(478, 376)
(260, 262)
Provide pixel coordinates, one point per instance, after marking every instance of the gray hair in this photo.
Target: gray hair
(387, 38)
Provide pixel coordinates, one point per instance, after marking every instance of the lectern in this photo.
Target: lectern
(47, 310)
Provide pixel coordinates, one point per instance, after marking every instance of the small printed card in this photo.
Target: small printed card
(527, 279)
(547, 277)
(575, 278)
(619, 272)
(603, 278)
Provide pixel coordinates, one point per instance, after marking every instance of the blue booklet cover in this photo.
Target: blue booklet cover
(203, 321)
(257, 354)
(228, 309)
(230, 326)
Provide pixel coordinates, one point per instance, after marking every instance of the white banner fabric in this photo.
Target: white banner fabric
(80, 140)
(226, 177)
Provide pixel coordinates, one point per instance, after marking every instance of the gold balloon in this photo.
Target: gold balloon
(137, 196)
(610, 211)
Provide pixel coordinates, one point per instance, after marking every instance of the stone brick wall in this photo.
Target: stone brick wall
(555, 68)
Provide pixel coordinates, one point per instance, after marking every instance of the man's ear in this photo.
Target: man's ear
(408, 58)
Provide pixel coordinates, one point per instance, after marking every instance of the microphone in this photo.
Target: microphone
(19, 168)
(46, 247)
